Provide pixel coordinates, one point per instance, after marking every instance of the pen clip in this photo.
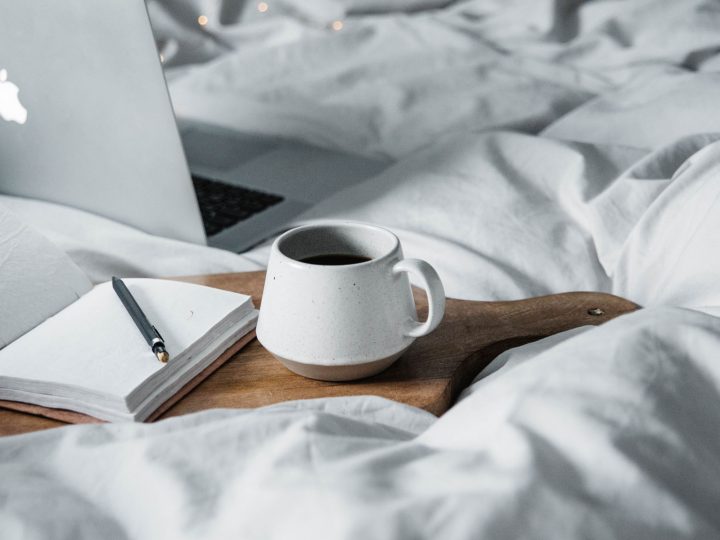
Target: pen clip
(159, 334)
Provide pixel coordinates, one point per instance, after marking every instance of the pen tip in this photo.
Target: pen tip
(163, 356)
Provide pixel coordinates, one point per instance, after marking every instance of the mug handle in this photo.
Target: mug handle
(430, 281)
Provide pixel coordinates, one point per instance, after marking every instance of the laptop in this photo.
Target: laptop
(86, 121)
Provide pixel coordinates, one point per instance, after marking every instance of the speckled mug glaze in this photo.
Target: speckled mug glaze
(343, 322)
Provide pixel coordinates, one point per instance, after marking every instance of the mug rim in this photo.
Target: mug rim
(338, 224)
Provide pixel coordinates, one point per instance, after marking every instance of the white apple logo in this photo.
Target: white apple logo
(11, 110)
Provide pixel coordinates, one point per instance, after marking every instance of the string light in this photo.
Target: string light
(202, 20)
(262, 7)
(337, 25)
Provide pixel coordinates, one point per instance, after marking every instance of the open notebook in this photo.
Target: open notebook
(68, 345)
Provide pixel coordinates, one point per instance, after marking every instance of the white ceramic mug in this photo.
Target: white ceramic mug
(343, 322)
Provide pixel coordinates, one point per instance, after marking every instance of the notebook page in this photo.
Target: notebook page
(36, 278)
(94, 344)
(117, 412)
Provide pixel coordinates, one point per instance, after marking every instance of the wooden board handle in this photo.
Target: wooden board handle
(487, 329)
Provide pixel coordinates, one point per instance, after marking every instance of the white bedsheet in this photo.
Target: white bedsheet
(586, 435)
(603, 176)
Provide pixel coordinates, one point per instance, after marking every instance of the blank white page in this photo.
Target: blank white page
(36, 278)
(94, 344)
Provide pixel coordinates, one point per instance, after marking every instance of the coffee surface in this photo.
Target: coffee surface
(335, 259)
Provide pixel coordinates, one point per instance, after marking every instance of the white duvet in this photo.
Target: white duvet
(540, 147)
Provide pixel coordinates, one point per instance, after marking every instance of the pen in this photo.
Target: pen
(149, 332)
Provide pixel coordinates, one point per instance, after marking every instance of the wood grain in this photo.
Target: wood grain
(430, 375)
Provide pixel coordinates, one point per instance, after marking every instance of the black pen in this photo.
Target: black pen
(149, 332)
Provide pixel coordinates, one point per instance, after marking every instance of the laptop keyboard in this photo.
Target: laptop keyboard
(224, 205)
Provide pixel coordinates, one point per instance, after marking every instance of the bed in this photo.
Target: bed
(537, 147)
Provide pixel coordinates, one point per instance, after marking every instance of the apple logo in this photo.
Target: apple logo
(11, 110)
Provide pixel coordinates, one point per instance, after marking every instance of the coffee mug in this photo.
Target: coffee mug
(337, 303)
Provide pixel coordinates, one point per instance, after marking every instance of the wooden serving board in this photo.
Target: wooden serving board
(429, 375)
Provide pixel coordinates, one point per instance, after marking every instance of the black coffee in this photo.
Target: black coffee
(335, 259)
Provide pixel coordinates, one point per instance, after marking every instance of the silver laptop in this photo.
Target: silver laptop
(86, 121)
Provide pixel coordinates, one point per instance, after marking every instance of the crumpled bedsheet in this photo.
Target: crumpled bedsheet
(539, 147)
(595, 433)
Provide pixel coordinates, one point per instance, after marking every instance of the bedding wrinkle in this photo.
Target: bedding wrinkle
(657, 337)
(620, 207)
(693, 188)
(657, 449)
(21, 517)
(508, 270)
